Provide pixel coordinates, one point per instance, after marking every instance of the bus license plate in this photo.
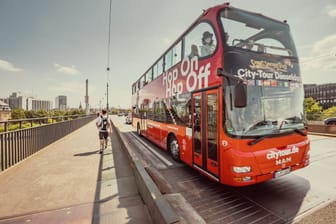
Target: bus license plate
(281, 173)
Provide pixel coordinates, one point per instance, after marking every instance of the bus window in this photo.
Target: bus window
(160, 66)
(201, 41)
(255, 34)
(173, 56)
(169, 59)
(133, 89)
(142, 81)
(155, 71)
(180, 109)
(149, 76)
(177, 53)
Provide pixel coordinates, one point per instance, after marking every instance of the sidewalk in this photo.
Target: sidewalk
(70, 182)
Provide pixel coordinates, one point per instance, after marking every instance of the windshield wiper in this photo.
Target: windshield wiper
(261, 138)
(263, 123)
(256, 140)
(300, 132)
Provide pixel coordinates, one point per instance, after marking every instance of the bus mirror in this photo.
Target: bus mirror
(240, 93)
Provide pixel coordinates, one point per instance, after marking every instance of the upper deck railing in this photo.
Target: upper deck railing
(16, 145)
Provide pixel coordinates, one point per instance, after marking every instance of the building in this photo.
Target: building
(5, 111)
(61, 102)
(324, 94)
(16, 101)
(41, 105)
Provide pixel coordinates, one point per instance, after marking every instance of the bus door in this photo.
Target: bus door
(205, 131)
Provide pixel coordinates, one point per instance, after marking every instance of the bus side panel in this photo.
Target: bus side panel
(185, 143)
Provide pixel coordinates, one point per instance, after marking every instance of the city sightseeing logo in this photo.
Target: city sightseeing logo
(271, 66)
(281, 153)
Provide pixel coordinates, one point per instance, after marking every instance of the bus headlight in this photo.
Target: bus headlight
(241, 169)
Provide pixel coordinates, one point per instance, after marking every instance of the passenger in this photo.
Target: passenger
(249, 45)
(208, 46)
(261, 48)
(226, 37)
(194, 51)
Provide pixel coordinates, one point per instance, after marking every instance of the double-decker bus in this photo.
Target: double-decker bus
(227, 99)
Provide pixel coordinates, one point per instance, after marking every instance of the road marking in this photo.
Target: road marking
(164, 160)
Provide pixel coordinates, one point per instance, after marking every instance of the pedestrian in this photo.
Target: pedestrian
(104, 127)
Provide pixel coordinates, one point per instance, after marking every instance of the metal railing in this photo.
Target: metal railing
(21, 143)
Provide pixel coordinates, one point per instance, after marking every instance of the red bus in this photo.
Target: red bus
(227, 98)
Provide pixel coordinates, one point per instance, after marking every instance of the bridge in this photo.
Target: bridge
(64, 179)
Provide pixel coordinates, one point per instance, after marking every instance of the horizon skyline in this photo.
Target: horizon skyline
(53, 102)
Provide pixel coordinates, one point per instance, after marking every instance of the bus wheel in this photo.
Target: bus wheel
(174, 149)
(138, 130)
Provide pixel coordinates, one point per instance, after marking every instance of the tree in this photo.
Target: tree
(31, 114)
(42, 113)
(18, 114)
(313, 109)
(330, 112)
(57, 113)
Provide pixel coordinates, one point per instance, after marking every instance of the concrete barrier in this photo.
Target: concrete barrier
(321, 128)
(158, 207)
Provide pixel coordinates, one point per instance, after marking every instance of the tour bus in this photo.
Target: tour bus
(226, 98)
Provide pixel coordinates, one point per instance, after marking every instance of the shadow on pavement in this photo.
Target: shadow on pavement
(117, 199)
(87, 153)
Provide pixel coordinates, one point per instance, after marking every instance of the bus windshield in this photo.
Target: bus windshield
(255, 32)
(269, 111)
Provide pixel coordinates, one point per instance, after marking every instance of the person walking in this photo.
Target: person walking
(104, 127)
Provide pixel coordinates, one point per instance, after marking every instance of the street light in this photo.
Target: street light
(107, 103)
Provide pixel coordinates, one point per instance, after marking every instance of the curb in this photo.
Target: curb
(158, 207)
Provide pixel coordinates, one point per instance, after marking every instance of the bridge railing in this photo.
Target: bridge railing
(19, 144)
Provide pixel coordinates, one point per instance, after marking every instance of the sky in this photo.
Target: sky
(49, 48)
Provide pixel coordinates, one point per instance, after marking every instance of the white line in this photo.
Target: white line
(164, 160)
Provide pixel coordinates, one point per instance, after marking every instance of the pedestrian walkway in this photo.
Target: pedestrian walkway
(70, 182)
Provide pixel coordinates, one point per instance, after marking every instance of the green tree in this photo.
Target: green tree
(330, 112)
(313, 109)
(18, 114)
(31, 114)
(42, 113)
(57, 113)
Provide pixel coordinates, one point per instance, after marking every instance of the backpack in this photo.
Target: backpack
(104, 124)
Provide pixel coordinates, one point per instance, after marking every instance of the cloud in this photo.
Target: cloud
(323, 55)
(66, 70)
(332, 11)
(328, 44)
(75, 92)
(69, 88)
(9, 67)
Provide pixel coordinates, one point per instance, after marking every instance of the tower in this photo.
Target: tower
(87, 97)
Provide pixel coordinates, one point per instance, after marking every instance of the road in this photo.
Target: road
(282, 200)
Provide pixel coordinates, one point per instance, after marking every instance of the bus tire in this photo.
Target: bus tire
(138, 130)
(174, 148)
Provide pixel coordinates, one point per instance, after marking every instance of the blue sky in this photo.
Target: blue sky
(49, 48)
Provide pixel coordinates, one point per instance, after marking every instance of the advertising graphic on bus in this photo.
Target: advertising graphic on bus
(227, 98)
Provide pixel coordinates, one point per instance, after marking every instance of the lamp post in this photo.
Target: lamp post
(107, 102)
